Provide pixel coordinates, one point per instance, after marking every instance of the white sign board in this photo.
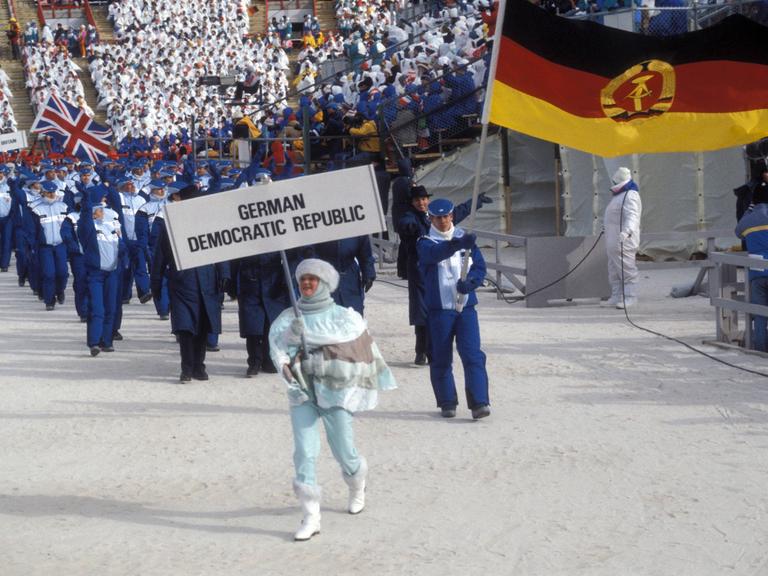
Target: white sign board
(13, 141)
(276, 216)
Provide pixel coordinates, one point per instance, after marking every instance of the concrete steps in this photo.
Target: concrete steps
(91, 96)
(103, 25)
(326, 15)
(26, 11)
(22, 107)
(256, 19)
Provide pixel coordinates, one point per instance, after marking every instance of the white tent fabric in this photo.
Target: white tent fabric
(680, 192)
(531, 184)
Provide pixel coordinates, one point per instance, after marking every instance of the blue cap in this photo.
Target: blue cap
(440, 207)
(157, 184)
(50, 186)
(226, 184)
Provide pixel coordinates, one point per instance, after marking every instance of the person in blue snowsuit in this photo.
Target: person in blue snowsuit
(262, 296)
(50, 214)
(81, 187)
(100, 236)
(194, 294)
(353, 259)
(6, 221)
(753, 229)
(146, 241)
(24, 198)
(76, 260)
(414, 224)
(440, 261)
(131, 202)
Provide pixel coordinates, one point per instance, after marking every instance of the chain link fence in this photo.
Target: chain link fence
(665, 17)
(444, 112)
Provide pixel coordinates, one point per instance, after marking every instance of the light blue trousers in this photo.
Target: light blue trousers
(306, 439)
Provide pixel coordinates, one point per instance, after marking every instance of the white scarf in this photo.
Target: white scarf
(447, 235)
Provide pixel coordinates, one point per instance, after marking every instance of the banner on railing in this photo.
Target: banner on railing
(13, 141)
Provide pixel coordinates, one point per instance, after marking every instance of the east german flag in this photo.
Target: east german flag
(610, 92)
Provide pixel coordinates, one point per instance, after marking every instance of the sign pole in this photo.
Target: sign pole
(292, 295)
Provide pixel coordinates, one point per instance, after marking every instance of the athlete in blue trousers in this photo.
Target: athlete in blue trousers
(52, 252)
(6, 221)
(76, 261)
(103, 249)
(440, 259)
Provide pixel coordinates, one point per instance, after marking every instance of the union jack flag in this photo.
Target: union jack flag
(73, 128)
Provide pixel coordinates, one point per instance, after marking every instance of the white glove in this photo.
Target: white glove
(296, 395)
(623, 236)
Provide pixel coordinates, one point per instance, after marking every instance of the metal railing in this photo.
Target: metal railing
(730, 296)
(43, 5)
(89, 15)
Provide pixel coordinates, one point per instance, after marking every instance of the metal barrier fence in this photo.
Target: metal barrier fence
(549, 273)
(730, 295)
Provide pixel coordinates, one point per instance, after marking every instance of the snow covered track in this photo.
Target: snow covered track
(608, 451)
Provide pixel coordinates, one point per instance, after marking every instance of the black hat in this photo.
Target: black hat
(419, 192)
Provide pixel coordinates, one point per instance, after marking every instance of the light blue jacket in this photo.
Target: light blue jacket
(344, 368)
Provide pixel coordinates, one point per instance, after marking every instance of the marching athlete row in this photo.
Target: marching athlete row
(329, 362)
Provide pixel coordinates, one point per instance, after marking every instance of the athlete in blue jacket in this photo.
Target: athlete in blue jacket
(440, 260)
(6, 221)
(52, 252)
(100, 236)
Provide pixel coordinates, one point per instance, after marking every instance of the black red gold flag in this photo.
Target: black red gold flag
(611, 92)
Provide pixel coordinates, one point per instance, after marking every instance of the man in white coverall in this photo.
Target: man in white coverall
(622, 238)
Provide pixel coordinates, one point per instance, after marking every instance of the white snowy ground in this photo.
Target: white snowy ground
(609, 451)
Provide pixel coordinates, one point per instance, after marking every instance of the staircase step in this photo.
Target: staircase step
(89, 90)
(103, 25)
(22, 107)
(256, 19)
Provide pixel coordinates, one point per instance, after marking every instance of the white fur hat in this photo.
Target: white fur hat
(621, 175)
(319, 268)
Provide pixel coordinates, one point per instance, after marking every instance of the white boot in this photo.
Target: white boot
(356, 484)
(615, 297)
(628, 302)
(309, 498)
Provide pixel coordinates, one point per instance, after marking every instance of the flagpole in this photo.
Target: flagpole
(483, 136)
